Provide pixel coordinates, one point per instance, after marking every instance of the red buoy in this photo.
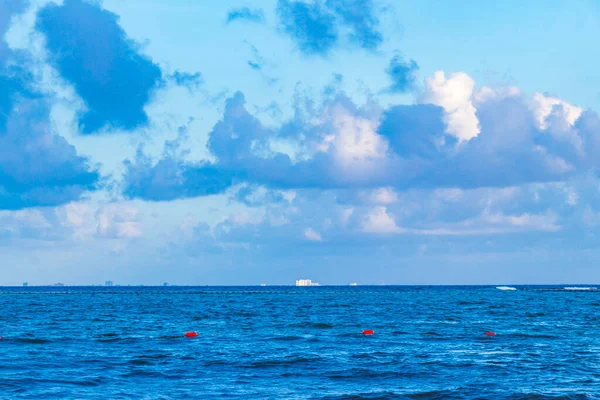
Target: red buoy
(191, 334)
(490, 334)
(368, 332)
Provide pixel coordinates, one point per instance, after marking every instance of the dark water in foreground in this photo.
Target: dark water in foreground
(288, 343)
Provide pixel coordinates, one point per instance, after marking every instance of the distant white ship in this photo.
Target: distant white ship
(263, 284)
(306, 282)
(353, 284)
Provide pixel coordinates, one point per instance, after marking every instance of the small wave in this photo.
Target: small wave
(210, 363)
(314, 325)
(137, 361)
(470, 303)
(285, 338)
(145, 373)
(27, 382)
(170, 337)
(580, 288)
(364, 396)
(317, 325)
(365, 373)
(283, 362)
(108, 335)
(33, 341)
(155, 356)
(536, 336)
(117, 339)
(505, 288)
(535, 314)
(430, 395)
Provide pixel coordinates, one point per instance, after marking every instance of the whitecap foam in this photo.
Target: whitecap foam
(505, 288)
(581, 288)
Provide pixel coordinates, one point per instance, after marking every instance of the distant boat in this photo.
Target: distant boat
(353, 284)
(263, 284)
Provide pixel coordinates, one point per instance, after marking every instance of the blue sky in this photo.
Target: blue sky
(256, 142)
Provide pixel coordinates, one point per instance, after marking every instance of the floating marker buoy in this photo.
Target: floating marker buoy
(490, 334)
(191, 334)
(368, 332)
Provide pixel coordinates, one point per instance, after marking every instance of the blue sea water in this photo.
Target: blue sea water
(299, 343)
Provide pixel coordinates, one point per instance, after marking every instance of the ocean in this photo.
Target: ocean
(429, 342)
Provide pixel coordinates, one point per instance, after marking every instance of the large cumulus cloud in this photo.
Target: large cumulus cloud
(92, 52)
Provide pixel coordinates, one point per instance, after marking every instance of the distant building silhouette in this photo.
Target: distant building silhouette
(108, 283)
(25, 284)
(306, 282)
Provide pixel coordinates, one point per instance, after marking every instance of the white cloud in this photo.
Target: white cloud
(188, 225)
(542, 222)
(113, 220)
(542, 106)
(383, 196)
(245, 218)
(345, 214)
(31, 222)
(493, 223)
(75, 214)
(499, 223)
(118, 220)
(590, 217)
(31, 217)
(288, 195)
(354, 138)
(312, 235)
(379, 221)
(557, 118)
(76, 221)
(449, 195)
(572, 196)
(277, 219)
(454, 95)
(79, 218)
(485, 93)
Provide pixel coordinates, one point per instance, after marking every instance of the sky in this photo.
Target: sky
(240, 143)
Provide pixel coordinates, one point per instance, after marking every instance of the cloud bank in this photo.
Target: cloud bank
(458, 137)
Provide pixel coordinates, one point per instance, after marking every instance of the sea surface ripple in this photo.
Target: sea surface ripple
(300, 343)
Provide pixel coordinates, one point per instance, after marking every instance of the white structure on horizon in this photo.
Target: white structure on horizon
(306, 282)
